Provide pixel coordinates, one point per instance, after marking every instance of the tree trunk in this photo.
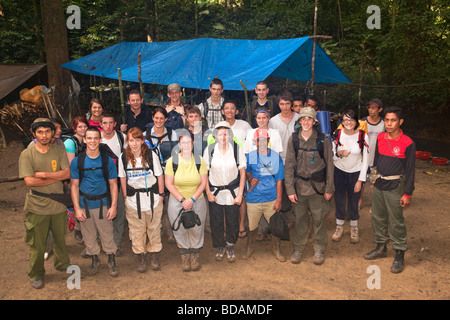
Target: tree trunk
(56, 48)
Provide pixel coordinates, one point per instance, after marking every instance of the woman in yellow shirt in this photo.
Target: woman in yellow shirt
(185, 178)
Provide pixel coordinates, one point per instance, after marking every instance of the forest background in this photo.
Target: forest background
(405, 62)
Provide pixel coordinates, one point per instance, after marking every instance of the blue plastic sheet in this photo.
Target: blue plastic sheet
(194, 63)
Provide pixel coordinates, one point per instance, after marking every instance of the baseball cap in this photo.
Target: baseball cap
(260, 133)
(377, 102)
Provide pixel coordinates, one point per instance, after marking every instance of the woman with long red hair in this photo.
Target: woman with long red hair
(142, 184)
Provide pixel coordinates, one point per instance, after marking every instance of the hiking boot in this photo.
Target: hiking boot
(318, 258)
(338, 233)
(93, 268)
(113, 269)
(154, 261)
(230, 254)
(186, 262)
(195, 263)
(78, 237)
(220, 254)
(142, 266)
(276, 249)
(250, 242)
(378, 252)
(354, 235)
(296, 257)
(399, 261)
(37, 284)
(84, 254)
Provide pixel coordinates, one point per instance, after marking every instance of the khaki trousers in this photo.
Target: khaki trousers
(94, 226)
(256, 210)
(147, 227)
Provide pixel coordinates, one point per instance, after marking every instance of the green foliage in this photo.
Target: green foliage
(410, 48)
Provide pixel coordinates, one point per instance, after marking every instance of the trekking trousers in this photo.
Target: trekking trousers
(388, 222)
(149, 226)
(37, 228)
(319, 208)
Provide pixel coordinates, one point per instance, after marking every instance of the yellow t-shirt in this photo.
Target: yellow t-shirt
(187, 177)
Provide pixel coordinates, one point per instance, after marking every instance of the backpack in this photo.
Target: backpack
(132, 191)
(319, 142)
(175, 161)
(361, 139)
(165, 147)
(233, 184)
(105, 153)
(79, 146)
(319, 176)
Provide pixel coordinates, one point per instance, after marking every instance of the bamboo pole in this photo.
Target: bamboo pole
(122, 102)
(313, 58)
(141, 85)
(247, 106)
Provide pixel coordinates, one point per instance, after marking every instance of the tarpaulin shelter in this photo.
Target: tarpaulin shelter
(13, 76)
(194, 63)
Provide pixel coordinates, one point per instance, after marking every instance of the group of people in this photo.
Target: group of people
(181, 170)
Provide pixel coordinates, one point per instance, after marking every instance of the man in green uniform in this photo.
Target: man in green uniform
(44, 166)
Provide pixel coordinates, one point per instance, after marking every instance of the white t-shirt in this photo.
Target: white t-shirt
(223, 170)
(240, 129)
(284, 129)
(275, 141)
(114, 143)
(373, 131)
(355, 161)
(140, 179)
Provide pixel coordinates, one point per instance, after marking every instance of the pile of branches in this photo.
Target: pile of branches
(34, 103)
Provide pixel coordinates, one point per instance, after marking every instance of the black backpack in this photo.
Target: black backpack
(105, 153)
(233, 184)
(165, 147)
(175, 162)
(319, 176)
(361, 139)
(132, 191)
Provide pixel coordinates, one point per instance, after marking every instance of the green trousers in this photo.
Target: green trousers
(319, 208)
(387, 217)
(37, 228)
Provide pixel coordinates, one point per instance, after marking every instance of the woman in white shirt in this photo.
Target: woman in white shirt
(226, 162)
(142, 184)
(351, 155)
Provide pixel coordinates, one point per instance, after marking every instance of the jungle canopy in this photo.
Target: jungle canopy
(194, 63)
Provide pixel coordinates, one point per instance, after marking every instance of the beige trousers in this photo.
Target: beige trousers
(147, 227)
(256, 210)
(94, 226)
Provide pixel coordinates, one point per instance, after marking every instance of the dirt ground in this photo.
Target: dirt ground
(344, 274)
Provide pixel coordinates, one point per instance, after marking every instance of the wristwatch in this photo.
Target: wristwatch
(182, 200)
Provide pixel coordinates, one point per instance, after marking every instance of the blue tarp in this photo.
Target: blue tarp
(194, 63)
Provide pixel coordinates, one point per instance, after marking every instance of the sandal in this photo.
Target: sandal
(243, 234)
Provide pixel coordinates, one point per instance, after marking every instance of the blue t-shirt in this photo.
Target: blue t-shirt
(266, 189)
(93, 182)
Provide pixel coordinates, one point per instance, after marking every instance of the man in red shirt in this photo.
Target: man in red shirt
(395, 156)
